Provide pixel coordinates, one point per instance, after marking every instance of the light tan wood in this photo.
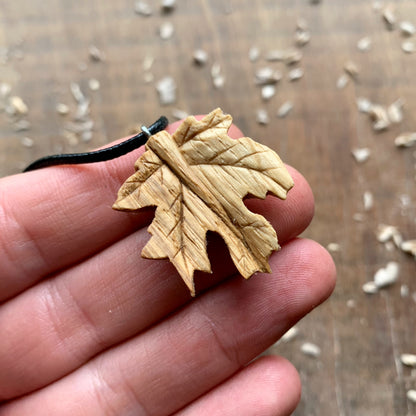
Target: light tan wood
(198, 178)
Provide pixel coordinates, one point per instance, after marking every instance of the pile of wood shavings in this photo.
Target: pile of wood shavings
(268, 77)
(79, 129)
(265, 77)
(383, 117)
(16, 110)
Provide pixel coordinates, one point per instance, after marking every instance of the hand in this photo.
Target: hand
(88, 327)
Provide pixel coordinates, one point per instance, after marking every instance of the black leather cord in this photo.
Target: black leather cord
(103, 154)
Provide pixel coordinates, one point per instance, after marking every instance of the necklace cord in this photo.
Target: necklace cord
(101, 155)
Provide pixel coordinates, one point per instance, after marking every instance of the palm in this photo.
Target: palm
(89, 327)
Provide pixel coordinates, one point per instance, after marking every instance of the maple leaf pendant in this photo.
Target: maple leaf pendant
(198, 178)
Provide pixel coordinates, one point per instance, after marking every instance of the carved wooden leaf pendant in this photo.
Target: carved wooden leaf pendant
(198, 178)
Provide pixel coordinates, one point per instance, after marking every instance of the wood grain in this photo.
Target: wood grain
(197, 178)
(361, 336)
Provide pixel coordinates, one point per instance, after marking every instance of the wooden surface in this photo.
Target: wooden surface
(43, 44)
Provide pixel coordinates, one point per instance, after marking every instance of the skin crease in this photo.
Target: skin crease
(103, 331)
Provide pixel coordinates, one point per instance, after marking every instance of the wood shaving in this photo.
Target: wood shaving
(370, 288)
(215, 70)
(276, 55)
(364, 105)
(218, 79)
(368, 200)
(71, 138)
(381, 125)
(148, 63)
(295, 74)
(351, 303)
(77, 93)
(395, 111)
(5, 90)
(361, 155)
(389, 16)
(302, 37)
(301, 24)
(293, 57)
(18, 105)
(166, 30)
(351, 68)
(358, 217)
(95, 54)
(289, 56)
(267, 75)
(143, 8)
(79, 127)
(262, 117)
(409, 246)
(62, 109)
(285, 109)
(94, 84)
(388, 275)
(86, 135)
(179, 114)
(333, 247)
(386, 233)
(267, 92)
(22, 125)
(377, 5)
(380, 117)
(166, 88)
(10, 110)
(404, 291)
(168, 5)
(290, 335)
(364, 44)
(311, 350)
(397, 239)
(82, 126)
(82, 111)
(408, 359)
(407, 28)
(405, 140)
(254, 54)
(342, 81)
(409, 46)
(27, 142)
(200, 57)
(411, 395)
(405, 200)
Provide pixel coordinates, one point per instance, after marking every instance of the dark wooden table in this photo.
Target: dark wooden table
(44, 47)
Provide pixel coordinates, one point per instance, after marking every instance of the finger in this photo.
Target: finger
(269, 386)
(51, 218)
(199, 347)
(46, 216)
(111, 297)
